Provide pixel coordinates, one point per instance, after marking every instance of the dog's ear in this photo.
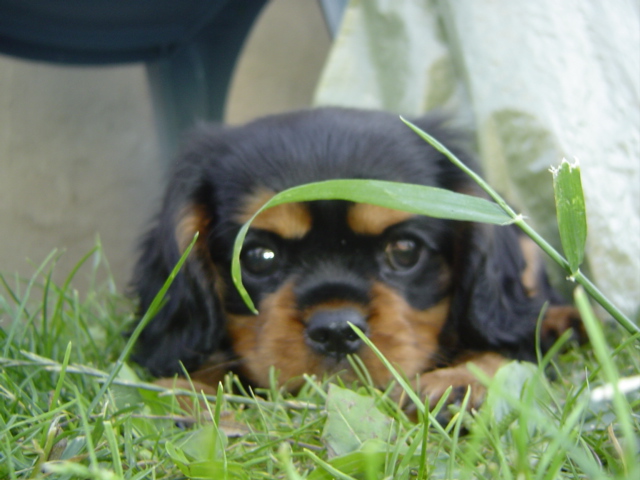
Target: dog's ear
(187, 329)
(492, 308)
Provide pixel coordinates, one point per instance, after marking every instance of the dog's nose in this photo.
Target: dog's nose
(329, 332)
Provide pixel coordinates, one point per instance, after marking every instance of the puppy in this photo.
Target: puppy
(431, 294)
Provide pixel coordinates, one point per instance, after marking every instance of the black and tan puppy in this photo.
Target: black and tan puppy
(431, 294)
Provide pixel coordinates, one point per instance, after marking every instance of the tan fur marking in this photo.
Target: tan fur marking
(533, 265)
(253, 203)
(275, 337)
(559, 319)
(408, 338)
(368, 219)
(192, 218)
(289, 220)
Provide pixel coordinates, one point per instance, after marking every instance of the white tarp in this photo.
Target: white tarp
(537, 81)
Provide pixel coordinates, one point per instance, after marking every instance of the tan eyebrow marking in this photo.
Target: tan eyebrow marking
(289, 220)
(369, 219)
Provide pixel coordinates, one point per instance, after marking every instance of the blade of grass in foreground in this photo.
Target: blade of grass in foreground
(146, 318)
(610, 374)
(418, 199)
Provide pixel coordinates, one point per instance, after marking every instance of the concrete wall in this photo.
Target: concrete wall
(78, 153)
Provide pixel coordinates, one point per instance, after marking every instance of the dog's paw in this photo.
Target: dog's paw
(433, 385)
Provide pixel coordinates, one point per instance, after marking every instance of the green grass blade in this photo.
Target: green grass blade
(610, 373)
(22, 305)
(62, 376)
(112, 443)
(146, 318)
(65, 287)
(417, 199)
(415, 398)
(458, 163)
(328, 467)
(571, 212)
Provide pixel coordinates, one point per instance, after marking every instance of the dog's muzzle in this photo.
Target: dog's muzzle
(328, 331)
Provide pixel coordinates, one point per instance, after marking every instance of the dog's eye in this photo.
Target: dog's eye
(259, 260)
(403, 254)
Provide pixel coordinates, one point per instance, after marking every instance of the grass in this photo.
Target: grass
(61, 416)
(72, 407)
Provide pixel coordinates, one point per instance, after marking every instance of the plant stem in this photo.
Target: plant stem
(589, 287)
(599, 297)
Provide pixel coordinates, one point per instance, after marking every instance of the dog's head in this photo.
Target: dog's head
(412, 284)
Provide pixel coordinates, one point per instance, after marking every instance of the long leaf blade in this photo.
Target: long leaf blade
(418, 199)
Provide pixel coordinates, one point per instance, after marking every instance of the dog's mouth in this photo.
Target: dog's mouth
(320, 338)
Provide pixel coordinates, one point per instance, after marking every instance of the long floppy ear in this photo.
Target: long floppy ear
(188, 327)
(492, 308)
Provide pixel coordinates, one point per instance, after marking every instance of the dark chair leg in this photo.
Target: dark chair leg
(192, 83)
